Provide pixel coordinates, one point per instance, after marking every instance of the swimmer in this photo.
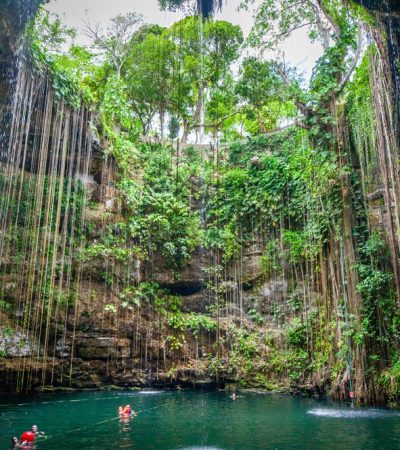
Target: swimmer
(36, 432)
(233, 396)
(126, 411)
(27, 439)
(14, 442)
(130, 411)
(27, 446)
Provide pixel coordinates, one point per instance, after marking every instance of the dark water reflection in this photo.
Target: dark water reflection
(193, 420)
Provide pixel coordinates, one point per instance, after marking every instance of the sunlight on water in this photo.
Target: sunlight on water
(352, 413)
(200, 448)
(151, 392)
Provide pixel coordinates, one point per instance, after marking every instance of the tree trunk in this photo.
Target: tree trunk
(186, 132)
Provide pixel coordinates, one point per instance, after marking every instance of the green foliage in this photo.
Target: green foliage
(160, 216)
(110, 308)
(374, 282)
(390, 379)
(45, 37)
(166, 225)
(360, 116)
(149, 74)
(5, 305)
(199, 322)
(98, 250)
(269, 258)
(296, 334)
(244, 353)
(379, 313)
(263, 94)
(277, 187)
(275, 21)
(201, 65)
(114, 108)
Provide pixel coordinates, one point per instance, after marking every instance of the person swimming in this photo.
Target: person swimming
(36, 432)
(122, 411)
(126, 411)
(14, 442)
(27, 446)
(27, 439)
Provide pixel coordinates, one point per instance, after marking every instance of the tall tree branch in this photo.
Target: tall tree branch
(219, 123)
(322, 28)
(329, 18)
(301, 106)
(276, 37)
(354, 61)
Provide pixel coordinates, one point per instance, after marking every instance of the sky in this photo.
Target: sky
(102, 10)
(298, 51)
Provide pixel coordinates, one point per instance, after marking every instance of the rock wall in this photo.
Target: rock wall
(387, 14)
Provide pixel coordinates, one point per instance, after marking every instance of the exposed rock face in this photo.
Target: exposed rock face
(97, 348)
(14, 15)
(15, 344)
(100, 347)
(197, 302)
(192, 277)
(388, 14)
(386, 7)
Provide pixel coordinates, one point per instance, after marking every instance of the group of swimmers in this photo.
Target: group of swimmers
(27, 438)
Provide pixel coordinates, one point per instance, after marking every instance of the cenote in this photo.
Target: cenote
(198, 420)
(200, 194)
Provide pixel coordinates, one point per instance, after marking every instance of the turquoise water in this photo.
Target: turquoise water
(194, 420)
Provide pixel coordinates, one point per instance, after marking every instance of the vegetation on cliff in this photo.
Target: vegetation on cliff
(267, 257)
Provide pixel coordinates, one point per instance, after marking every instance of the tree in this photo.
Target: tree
(333, 24)
(262, 91)
(48, 33)
(204, 54)
(149, 75)
(222, 107)
(114, 42)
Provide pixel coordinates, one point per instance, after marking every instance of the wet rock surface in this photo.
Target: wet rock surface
(79, 373)
(100, 347)
(14, 344)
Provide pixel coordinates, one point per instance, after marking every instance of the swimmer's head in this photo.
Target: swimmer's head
(34, 428)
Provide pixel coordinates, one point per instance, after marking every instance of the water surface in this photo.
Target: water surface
(192, 420)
